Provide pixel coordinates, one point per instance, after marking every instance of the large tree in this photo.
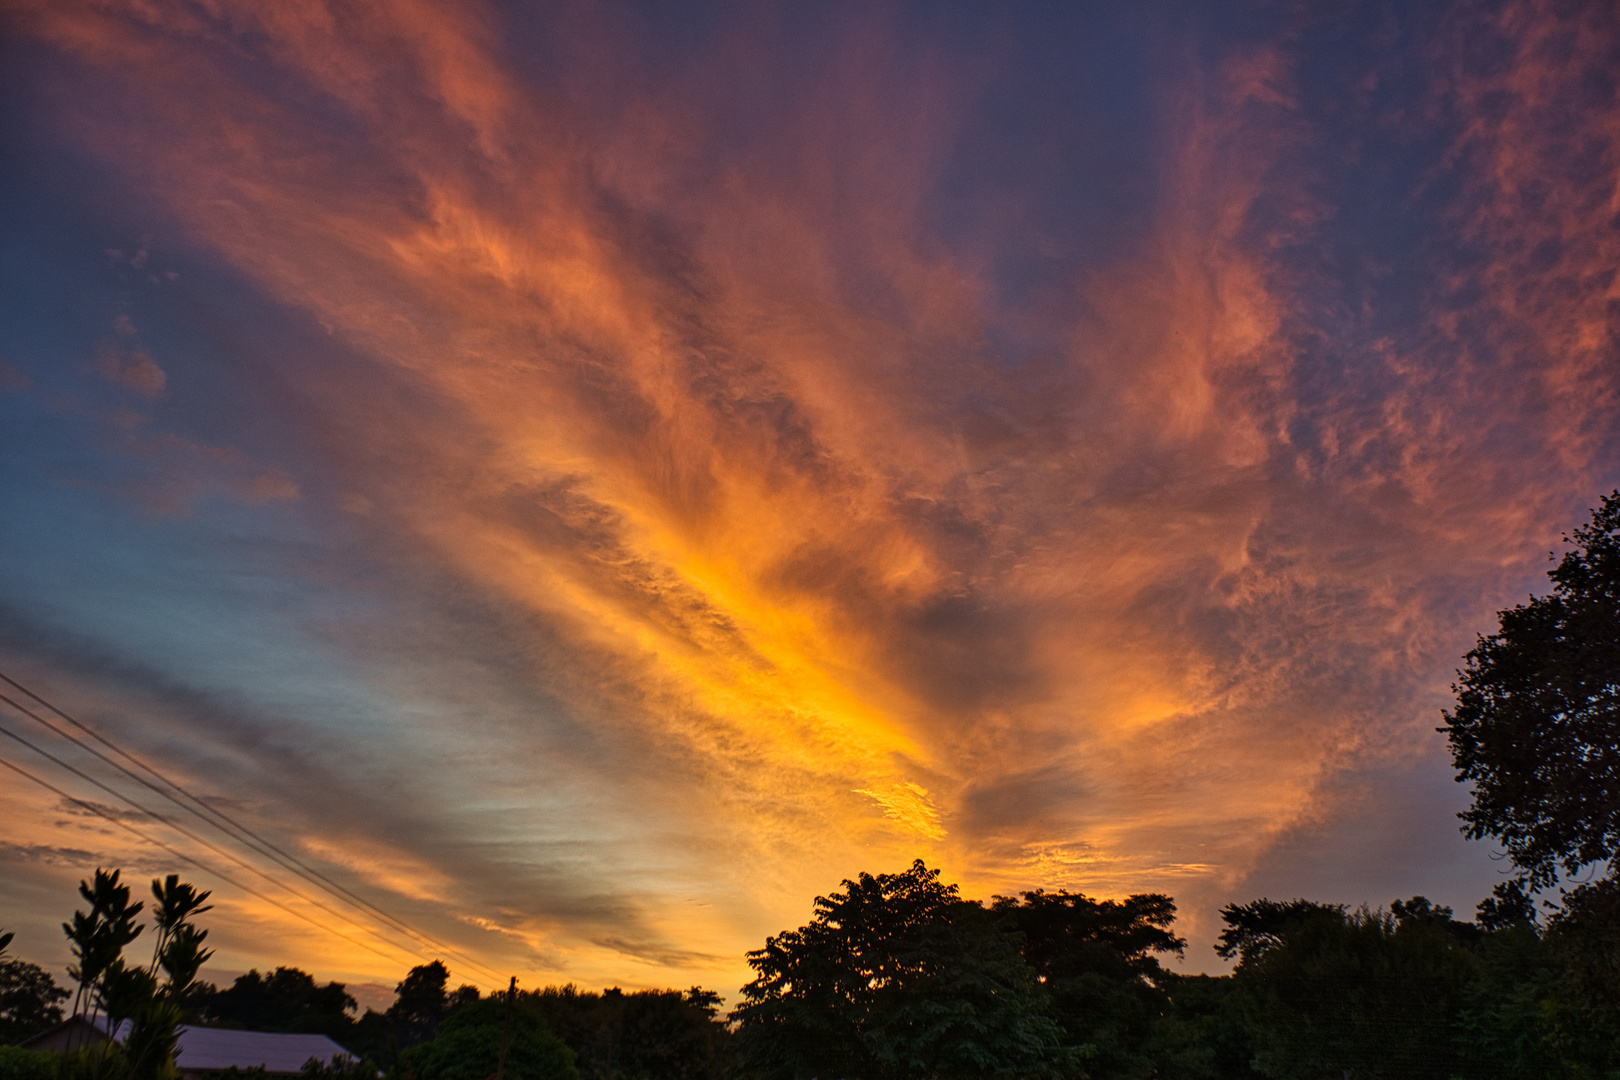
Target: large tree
(423, 1000)
(1097, 966)
(1326, 992)
(1537, 722)
(30, 1000)
(618, 1035)
(895, 978)
(287, 999)
(497, 1036)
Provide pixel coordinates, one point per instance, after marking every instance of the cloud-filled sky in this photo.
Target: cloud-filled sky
(588, 477)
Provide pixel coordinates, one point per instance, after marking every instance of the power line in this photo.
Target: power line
(181, 829)
(315, 877)
(198, 863)
(255, 842)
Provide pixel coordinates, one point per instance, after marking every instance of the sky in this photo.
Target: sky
(586, 478)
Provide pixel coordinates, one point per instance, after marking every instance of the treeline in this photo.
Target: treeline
(896, 977)
(430, 1032)
(609, 1035)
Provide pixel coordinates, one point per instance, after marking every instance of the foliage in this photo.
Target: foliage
(643, 1034)
(1509, 904)
(372, 1037)
(19, 1064)
(1585, 937)
(1202, 1036)
(1252, 930)
(287, 999)
(1504, 1025)
(1097, 966)
(30, 1000)
(97, 938)
(1326, 992)
(470, 1045)
(1583, 1007)
(112, 991)
(1321, 991)
(1537, 723)
(1067, 933)
(422, 1002)
(896, 977)
(178, 948)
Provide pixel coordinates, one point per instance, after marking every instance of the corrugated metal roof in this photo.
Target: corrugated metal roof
(206, 1049)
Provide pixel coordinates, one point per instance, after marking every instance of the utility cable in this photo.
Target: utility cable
(315, 877)
(182, 830)
(255, 842)
(198, 863)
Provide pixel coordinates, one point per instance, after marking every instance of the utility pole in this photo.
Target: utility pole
(506, 1030)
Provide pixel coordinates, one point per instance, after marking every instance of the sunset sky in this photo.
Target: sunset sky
(589, 477)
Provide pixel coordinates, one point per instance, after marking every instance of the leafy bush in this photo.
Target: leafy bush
(19, 1064)
(30, 1000)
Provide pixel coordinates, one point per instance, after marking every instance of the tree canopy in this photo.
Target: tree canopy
(287, 999)
(639, 1034)
(495, 1033)
(1329, 992)
(1536, 726)
(30, 1000)
(896, 977)
(1098, 967)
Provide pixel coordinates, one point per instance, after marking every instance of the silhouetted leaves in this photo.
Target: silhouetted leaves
(287, 999)
(1098, 969)
(897, 977)
(30, 1000)
(1326, 992)
(641, 1035)
(468, 1046)
(1537, 723)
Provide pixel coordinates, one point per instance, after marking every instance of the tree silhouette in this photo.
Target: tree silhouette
(177, 904)
(1537, 722)
(30, 1000)
(896, 978)
(1097, 965)
(468, 1046)
(97, 937)
(287, 999)
(616, 1035)
(1329, 992)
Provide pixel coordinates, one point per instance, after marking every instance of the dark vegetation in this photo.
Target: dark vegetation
(897, 977)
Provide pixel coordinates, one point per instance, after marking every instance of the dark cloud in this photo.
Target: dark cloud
(51, 854)
(1031, 801)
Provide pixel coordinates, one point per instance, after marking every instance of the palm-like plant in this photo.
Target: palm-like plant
(97, 938)
(177, 903)
(123, 992)
(182, 957)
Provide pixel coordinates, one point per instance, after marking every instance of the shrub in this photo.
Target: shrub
(19, 1064)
